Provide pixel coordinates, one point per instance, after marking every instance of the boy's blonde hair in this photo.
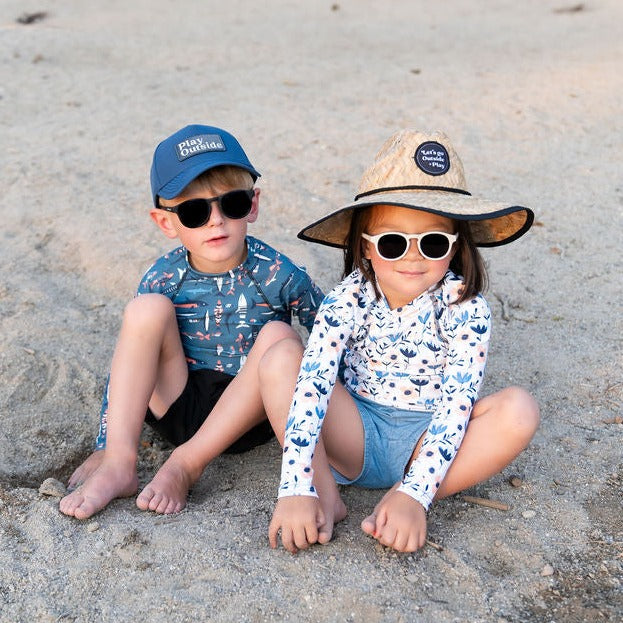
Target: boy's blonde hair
(223, 176)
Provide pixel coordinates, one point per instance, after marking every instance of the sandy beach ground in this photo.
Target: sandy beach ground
(531, 94)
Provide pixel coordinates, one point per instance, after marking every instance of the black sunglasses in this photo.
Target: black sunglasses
(235, 204)
(394, 245)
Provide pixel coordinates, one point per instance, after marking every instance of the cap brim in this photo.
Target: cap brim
(173, 188)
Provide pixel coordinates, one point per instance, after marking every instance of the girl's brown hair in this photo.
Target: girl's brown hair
(466, 260)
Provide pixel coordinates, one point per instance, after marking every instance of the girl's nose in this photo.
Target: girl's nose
(413, 252)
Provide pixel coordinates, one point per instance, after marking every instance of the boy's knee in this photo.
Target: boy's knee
(148, 308)
(283, 356)
(273, 332)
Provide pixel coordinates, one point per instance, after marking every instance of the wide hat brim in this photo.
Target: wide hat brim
(422, 171)
(491, 223)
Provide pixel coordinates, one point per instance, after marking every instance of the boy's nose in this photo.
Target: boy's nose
(216, 216)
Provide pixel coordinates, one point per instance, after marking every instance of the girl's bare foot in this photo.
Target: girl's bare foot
(112, 479)
(334, 511)
(168, 490)
(368, 525)
(85, 469)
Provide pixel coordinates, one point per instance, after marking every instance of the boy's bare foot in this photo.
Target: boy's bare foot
(109, 481)
(168, 490)
(85, 469)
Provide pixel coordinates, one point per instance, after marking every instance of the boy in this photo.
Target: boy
(192, 340)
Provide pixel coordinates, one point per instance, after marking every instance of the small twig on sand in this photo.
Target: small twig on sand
(504, 304)
(486, 502)
(439, 548)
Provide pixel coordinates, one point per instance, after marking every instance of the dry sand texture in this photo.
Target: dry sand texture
(530, 93)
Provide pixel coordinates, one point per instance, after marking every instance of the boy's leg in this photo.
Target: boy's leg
(500, 427)
(85, 469)
(148, 368)
(239, 408)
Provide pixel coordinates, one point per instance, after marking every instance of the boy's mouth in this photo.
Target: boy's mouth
(217, 239)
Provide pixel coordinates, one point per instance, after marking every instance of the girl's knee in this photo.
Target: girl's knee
(520, 411)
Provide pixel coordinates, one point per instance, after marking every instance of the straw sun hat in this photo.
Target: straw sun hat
(424, 172)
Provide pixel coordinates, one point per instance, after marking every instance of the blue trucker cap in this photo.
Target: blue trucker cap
(185, 155)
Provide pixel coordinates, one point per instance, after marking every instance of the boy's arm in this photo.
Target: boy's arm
(304, 298)
(462, 377)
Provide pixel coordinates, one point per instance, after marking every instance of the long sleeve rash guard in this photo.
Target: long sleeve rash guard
(429, 355)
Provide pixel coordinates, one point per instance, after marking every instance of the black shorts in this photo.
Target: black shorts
(186, 415)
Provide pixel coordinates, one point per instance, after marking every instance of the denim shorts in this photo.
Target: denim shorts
(390, 436)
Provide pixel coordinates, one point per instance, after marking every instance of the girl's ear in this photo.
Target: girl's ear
(255, 206)
(164, 222)
(365, 248)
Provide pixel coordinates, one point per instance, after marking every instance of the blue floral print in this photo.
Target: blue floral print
(428, 355)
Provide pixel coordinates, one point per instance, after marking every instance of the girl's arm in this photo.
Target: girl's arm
(316, 379)
(467, 331)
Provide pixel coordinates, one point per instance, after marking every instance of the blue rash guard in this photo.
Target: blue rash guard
(220, 315)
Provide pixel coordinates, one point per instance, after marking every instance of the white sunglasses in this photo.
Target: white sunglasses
(394, 245)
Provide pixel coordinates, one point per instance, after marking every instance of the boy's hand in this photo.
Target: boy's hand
(298, 518)
(398, 522)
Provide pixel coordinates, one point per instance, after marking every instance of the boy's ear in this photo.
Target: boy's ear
(163, 220)
(255, 206)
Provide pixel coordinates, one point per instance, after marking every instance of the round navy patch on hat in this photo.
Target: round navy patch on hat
(432, 158)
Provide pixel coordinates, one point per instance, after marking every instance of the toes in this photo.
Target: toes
(85, 510)
(368, 525)
(78, 506)
(68, 504)
(144, 499)
(158, 502)
(325, 534)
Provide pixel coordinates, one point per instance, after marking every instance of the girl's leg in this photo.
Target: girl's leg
(500, 427)
(148, 367)
(237, 411)
(342, 432)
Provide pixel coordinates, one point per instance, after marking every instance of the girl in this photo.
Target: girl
(387, 390)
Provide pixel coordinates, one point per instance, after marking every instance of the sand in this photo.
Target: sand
(531, 95)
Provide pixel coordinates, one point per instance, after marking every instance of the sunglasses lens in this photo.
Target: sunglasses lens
(434, 246)
(392, 246)
(194, 212)
(236, 204)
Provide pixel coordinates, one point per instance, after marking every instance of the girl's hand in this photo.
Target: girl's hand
(298, 518)
(398, 522)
